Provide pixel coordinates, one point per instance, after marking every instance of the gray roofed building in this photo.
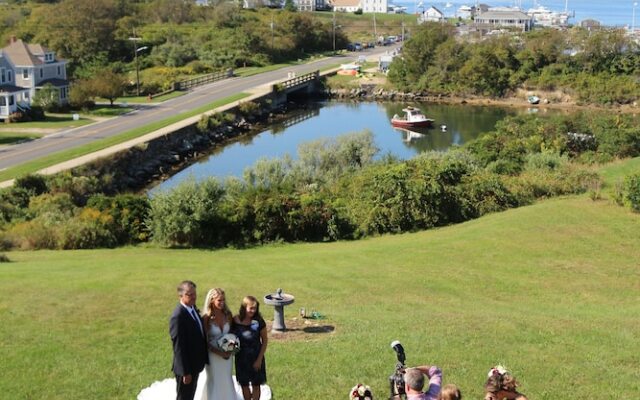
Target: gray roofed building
(504, 18)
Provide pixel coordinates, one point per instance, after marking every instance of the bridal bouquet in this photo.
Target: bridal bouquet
(360, 392)
(229, 343)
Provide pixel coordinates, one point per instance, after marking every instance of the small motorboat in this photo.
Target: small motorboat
(533, 99)
(412, 118)
(443, 128)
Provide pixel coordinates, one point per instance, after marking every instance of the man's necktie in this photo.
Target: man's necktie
(197, 319)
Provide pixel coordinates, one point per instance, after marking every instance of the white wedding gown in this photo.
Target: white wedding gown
(219, 383)
(214, 383)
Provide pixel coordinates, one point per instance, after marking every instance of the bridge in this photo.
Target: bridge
(306, 82)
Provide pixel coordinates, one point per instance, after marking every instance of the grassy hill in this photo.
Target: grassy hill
(552, 291)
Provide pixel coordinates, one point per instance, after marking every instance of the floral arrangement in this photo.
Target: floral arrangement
(229, 343)
(497, 370)
(360, 392)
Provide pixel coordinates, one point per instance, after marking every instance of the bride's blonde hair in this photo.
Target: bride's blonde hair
(208, 304)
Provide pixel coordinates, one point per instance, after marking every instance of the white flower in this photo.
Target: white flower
(229, 342)
(498, 369)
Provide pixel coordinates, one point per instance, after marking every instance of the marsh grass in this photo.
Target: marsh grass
(549, 290)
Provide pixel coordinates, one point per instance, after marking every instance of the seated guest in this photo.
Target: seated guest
(450, 392)
(502, 385)
(414, 382)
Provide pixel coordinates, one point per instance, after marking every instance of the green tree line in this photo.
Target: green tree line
(172, 37)
(599, 66)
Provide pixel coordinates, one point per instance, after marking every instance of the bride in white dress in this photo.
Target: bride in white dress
(217, 322)
(215, 382)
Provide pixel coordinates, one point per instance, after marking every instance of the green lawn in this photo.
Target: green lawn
(8, 137)
(551, 291)
(53, 121)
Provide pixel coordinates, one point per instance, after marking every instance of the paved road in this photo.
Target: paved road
(145, 114)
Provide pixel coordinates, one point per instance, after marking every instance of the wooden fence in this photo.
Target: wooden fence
(202, 80)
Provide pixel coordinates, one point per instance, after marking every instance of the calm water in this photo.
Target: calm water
(331, 119)
(611, 12)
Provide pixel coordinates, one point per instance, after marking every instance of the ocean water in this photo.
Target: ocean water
(609, 12)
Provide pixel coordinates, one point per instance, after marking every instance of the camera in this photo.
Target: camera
(396, 380)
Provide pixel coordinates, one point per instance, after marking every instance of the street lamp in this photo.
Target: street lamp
(136, 49)
(138, 69)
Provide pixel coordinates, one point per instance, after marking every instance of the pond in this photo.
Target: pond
(331, 119)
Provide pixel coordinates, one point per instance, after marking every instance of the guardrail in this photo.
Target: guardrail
(299, 80)
(202, 80)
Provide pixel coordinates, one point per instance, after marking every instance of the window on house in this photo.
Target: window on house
(25, 73)
(59, 70)
(63, 93)
(3, 101)
(9, 76)
(2, 73)
(41, 72)
(11, 101)
(26, 95)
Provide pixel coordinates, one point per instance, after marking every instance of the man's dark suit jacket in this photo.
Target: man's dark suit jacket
(189, 345)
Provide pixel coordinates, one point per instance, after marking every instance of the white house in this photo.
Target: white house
(375, 6)
(503, 18)
(431, 14)
(25, 69)
(346, 5)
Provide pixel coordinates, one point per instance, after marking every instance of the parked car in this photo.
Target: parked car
(354, 47)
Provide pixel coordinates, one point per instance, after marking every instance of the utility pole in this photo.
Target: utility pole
(272, 30)
(633, 19)
(375, 30)
(135, 39)
(334, 30)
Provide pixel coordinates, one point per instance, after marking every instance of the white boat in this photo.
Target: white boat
(412, 118)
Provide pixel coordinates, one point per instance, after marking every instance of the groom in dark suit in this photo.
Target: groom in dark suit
(189, 343)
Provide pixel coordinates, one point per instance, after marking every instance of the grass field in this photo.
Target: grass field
(552, 291)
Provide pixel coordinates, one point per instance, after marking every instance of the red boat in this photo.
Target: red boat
(412, 118)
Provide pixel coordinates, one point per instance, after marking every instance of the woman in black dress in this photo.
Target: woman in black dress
(251, 329)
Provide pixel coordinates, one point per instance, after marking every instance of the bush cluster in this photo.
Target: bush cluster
(631, 191)
(337, 190)
(334, 189)
(62, 212)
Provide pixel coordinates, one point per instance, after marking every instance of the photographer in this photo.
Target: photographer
(414, 382)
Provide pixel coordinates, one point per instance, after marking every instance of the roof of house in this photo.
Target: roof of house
(21, 54)
(11, 89)
(502, 15)
(57, 82)
(434, 8)
(345, 3)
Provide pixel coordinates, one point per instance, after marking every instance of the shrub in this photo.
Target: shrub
(186, 215)
(80, 188)
(248, 109)
(4, 258)
(632, 191)
(128, 213)
(545, 161)
(33, 183)
(89, 229)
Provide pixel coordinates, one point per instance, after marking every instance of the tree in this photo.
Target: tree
(77, 30)
(108, 84)
(47, 97)
(289, 5)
